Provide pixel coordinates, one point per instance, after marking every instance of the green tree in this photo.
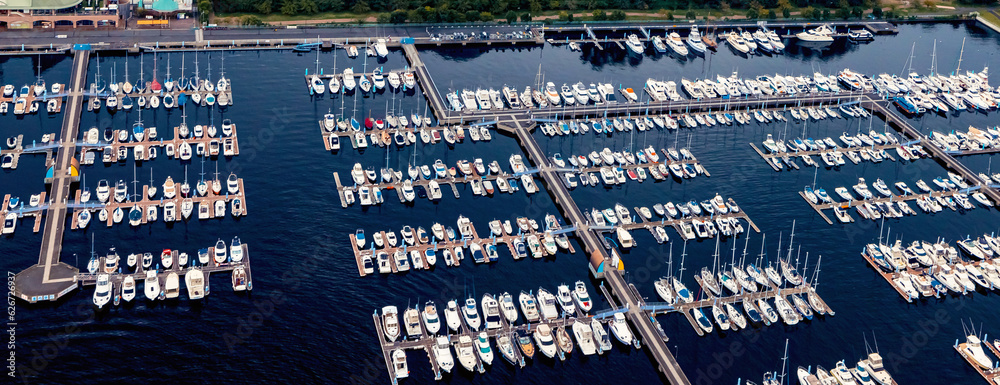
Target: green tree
(471, 15)
(617, 15)
(786, 13)
(308, 7)
(398, 17)
(535, 6)
(264, 7)
(250, 20)
(858, 12)
(289, 8)
(383, 18)
(806, 12)
(826, 14)
(486, 16)
(843, 13)
(205, 7)
(361, 7)
(771, 14)
(511, 17)
(600, 15)
(752, 13)
(877, 12)
(526, 17)
(690, 15)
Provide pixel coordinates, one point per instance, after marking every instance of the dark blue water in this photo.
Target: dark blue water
(309, 320)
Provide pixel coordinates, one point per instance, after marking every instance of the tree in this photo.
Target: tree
(398, 17)
(525, 17)
(724, 6)
(511, 17)
(771, 14)
(471, 15)
(264, 7)
(786, 13)
(361, 7)
(690, 15)
(617, 15)
(289, 8)
(308, 6)
(843, 13)
(826, 14)
(205, 8)
(535, 7)
(752, 13)
(383, 18)
(486, 16)
(858, 12)
(757, 9)
(250, 20)
(600, 15)
(877, 12)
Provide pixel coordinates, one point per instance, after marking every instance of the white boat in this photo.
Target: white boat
(442, 353)
(400, 369)
(582, 297)
(508, 308)
(102, 294)
(528, 307)
(584, 338)
(634, 45)
(545, 340)
(172, 286)
(466, 353)
(471, 314)
(151, 285)
(451, 316)
(194, 281)
(390, 322)
(972, 349)
(822, 33)
(620, 329)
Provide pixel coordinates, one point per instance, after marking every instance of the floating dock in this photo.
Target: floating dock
(139, 275)
(992, 376)
(360, 254)
(770, 292)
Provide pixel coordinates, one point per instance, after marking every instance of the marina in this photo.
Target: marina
(925, 269)
(973, 353)
(418, 250)
(645, 98)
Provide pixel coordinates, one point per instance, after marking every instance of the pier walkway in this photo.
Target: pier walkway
(883, 110)
(426, 82)
(649, 332)
(50, 278)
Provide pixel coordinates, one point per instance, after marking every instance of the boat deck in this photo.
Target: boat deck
(24, 210)
(162, 143)
(209, 199)
(819, 207)
(770, 292)
(425, 342)
(644, 223)
(914, 269)
(139, 274)
(436, 245)
(992, 376)
(770, 156)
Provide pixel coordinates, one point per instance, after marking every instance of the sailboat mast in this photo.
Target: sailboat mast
(960, 54)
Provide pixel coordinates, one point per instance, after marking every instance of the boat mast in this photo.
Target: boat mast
(784, 362)
(934, 58)
(960, 53)
(680, 272)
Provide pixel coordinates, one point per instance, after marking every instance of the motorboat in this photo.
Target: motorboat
(822, 33)
(621, 330)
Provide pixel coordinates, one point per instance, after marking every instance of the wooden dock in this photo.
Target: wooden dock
(992, 376)
(770, 156)
(208, 200)
(371, 250)
(914, 269)
(819, 207)
(148, 142)
(139, 274)
(771, 291)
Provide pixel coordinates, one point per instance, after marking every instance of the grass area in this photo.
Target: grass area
(990, 17)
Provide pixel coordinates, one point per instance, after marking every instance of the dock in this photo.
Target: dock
(50, 279)
(461, 241)
(883, 110)
(770, 292)
(992, 376)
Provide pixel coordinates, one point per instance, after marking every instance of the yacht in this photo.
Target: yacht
(635, 46)
(194, 280)
(236, 250)
(547, 304)
(528, 307)
(152, 285)
(694, 40)
(972, 349)
(508, 308)
(466, 352)
(390, 322)
(442, 353)
(822, 33)
(620, 329)
(471, 314)
(219, 252)
(102, 294)
(491, 311)
(544, 338)
(582, 297)
(675, 44)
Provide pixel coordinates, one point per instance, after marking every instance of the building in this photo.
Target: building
(32, 14)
